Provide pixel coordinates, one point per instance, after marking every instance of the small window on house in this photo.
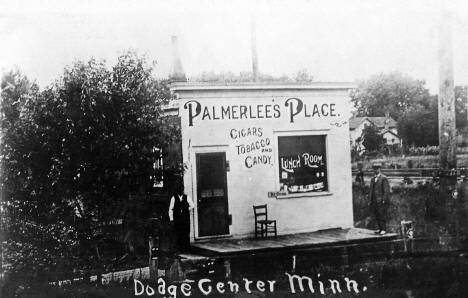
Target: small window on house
(158, 166)
(302, 164)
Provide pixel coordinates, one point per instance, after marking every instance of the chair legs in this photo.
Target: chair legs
(264, 230)
(259, 230)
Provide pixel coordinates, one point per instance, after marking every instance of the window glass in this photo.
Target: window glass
(158, 167)
(302, 164)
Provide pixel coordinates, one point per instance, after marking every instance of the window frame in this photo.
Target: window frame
(158, 164)
(278, 134)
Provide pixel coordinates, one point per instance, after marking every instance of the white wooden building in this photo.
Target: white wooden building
(286, 146)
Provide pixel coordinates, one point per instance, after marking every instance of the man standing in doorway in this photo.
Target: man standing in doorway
(179, 214)
(379, 195)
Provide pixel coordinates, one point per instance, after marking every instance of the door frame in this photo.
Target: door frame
(194, 181)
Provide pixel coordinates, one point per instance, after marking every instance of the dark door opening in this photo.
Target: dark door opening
(212, 200)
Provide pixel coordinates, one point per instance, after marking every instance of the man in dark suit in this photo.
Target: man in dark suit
(179, 214)
(379, 195)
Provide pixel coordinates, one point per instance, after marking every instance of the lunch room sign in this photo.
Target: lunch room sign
(302, 163)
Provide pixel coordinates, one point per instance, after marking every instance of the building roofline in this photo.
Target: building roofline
(388, 130)
(197, 86)
(371, 120)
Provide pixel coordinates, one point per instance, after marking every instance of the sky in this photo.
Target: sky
(334, 40)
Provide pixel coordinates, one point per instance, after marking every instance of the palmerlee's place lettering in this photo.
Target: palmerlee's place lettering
(292, 107)
(295, 283)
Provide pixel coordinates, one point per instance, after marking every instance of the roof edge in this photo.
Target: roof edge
(197, 86)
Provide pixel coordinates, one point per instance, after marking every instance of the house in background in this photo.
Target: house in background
(386, 125)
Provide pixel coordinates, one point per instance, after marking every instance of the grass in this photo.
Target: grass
(424, 205)
(418, 161)
(427, 277)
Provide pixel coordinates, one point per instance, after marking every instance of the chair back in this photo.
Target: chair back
(260, 212)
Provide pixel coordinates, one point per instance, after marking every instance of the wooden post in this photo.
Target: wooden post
(227, 269)
(175, 271)
(447, 132)
(153, 259)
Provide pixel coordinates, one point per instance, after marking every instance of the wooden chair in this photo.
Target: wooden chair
(263, 225)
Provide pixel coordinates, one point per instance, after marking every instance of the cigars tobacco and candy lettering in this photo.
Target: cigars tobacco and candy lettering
(255, 146)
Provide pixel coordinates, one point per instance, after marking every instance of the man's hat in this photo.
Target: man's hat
(376, 165)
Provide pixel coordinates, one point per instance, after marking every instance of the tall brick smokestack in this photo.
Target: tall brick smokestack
(177, 72)
(253, 40)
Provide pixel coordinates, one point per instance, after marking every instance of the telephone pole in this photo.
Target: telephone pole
(447, 133)
(447, 130)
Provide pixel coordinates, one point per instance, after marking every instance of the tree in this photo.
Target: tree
(418, 125)
(303, 76)
(393, 93)
(372, 139)
(77, 151)
(35, 240)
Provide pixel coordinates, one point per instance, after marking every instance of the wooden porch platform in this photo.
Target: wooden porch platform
(324, 238)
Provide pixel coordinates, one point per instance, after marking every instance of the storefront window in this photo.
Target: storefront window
(302, 164)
